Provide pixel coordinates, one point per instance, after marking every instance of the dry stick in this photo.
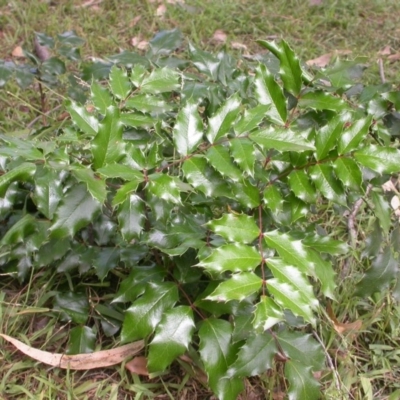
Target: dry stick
(381, 70)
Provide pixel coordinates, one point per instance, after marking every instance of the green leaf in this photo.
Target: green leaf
(74, 306)
(232, 257)
(327, 137)
(105, 259)
(48, 192)
(289, 68)
(235, 228)
(281, 139)
(302, 187)
(131, 217)
(255, 357)
(322, 101)
(95, 186)
(119, 83)
(165, 42)
(205, 62)
(266, 314)
(160, 81)
(107, 145)
(251, 119)
(222, 121)
(22, 172)
(145, 314)
(82, 340)
(382, 211)
(246, 194)
(326, 182)
(136, 120)
(121, 171)
(218, 353)
(19, 230)
(147, 103)
(6, 71)
(172, 338)
(238, 287)
(302, 384)
(286, 295)
(219, 158)
(384, 160)
(384, 269)
(352, 136)
(124, 191)
(86, 122)
(348, 172)
(242, 151)
(18, 147)
(77, 209)
(204, 178)
(287, 273)
(269, 93)
(273, 198)
(138, 73)
(101, 97)
(325, 244)
(164, 187)
(188, 130)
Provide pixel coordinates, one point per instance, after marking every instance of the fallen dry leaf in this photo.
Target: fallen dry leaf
(138, 43)
(98, 359)
(161, 10)
(42, 52)
(89, 3)
(315, 2)
(385, 51)
(238, 46)
(18, 52)
(343, 327)
(220, 36)
(135, 21)
(324, 60)
(394, 57)
(138, 366)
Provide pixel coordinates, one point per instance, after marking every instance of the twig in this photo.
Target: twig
(381, 70)
(40, 116)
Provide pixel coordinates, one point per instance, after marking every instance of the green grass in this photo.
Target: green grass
(366, 359)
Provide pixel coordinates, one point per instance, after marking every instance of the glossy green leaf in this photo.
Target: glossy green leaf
(242, 151)
(325, 244)
(302, 384)
(204, 178)
(18, 147)
(246, 194)
(145, 314)
(74, 306)
(131, 217)
(269, 93)
(160, 81)
(385, 160)
(147, 103)
(205, 62)
(105, 259)
(48, 192)
(302, 187)
(354, 135)
(124, 192)
(238, 287)
(188, 130)
(266, 314)
(232, 257)
(255, 357)
(85, 121)
(222, 121)
(289, 68)
(322, 101)
(164, 187)
(217, 353)
(281, 139)
(326, 182)
(273, 198)
(22, 172)
(6, 71)
(172, 338)
(121, 171)
(165, 42)
(101, 97)
(235, 228)
(95, 186)
(219, 157)
(119, 83)
(77, 209)
(348, 172)
(19, 230)
(290, 274)
(251, 119)
(136, 120)
(382, 211)
(82, 339)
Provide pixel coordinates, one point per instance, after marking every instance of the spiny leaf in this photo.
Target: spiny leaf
(235, 228)
(385, 160)
(188, 130)
(131, 217)
(348, 172)
(101, 97)
(219, 157)
(352, 136)
(266, 314)
(144, 314)
(302, 187)
(251, 119)
(204, 62)
(326, 244)
(160, 81)
(302, 384)
(22, 172)
(82, 340)
(238, 287)
(95, 186)
(382, 210)
(232, 257)
(86, 122)
(242, 151)
(172, 337)
(322, 101)
(273, 198)
(119, 82)
(164, 187)
(269, 93)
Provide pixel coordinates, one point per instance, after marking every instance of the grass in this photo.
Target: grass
(367, 361)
